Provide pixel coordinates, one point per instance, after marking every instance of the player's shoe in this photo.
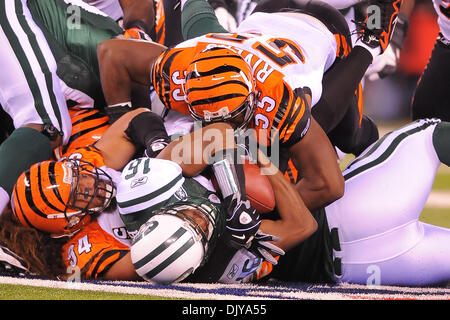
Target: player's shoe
(11, 264)
(377, 31)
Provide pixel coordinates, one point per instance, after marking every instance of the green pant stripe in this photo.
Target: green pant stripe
(389, 150)
(24, 63)
(42, 62)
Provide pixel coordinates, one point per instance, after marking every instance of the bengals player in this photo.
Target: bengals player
(257, 89)
(431, 99)
(68, 197)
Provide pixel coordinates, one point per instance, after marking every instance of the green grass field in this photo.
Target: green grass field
(20, 292)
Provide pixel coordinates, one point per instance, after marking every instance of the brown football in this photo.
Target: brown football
(258, 188)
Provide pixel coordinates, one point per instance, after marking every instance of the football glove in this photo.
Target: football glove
(262, 247)
(225, 18)
(386, 63)
(242, 222)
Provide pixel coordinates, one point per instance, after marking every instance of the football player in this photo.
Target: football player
(49, 62)
(85, 189)
(430, 98)
(273, 79)
(372, 235)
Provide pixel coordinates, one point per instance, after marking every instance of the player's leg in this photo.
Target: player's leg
(385, 192)
(356, 131)
(339, 110)
(426, 263)
(73, 31)
(431, 99)
(29, 92)
(172, 21)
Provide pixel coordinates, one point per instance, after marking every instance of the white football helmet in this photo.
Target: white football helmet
(172, 244)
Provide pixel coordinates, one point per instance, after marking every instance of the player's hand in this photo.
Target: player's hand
(136, 33)
(262, 247)
(242, 222)
(225, 18)
(384, 64)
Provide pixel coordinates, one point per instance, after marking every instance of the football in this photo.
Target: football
(258, 188)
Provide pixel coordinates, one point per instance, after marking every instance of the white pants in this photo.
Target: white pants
(382, 241)
(30, 90)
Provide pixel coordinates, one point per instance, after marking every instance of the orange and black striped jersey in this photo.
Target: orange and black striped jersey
(89, 154)
(92, 251)
(287, 70)
(88, 126)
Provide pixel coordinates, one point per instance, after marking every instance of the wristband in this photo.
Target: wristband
(115, 111)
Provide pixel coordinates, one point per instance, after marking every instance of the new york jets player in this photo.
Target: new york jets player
(372, 235)
(49, 63)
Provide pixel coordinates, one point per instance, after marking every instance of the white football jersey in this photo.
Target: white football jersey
(110, 7)
(317, 44)
(442, 8)
(111, 222)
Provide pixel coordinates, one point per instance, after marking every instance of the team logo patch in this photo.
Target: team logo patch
(213, 198)
(233, 271)
(138, 182)
(181, 194)
(244, 218)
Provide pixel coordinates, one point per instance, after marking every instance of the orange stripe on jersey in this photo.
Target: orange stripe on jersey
(160, 25)
(299, 108)
(359, 95)
(291, 172)
(265, 269)
(338, 44)
(88, 126)
(89, 154)
(167, 64)
(93, 251)
(343, 47)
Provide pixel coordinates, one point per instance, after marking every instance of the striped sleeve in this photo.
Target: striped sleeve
(93, 251)
(293, 117)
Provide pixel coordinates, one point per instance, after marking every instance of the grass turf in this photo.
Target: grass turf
(21, 292)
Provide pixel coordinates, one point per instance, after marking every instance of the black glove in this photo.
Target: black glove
(147, 130)
(242, 222)
(261, 247)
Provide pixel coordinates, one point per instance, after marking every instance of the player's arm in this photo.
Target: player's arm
(198, 18)
(123, 270)
(321, 179)
(123, 62)
(296, 223)
(135, 130)
(193, 152)
(311, 152)
(138, 14)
